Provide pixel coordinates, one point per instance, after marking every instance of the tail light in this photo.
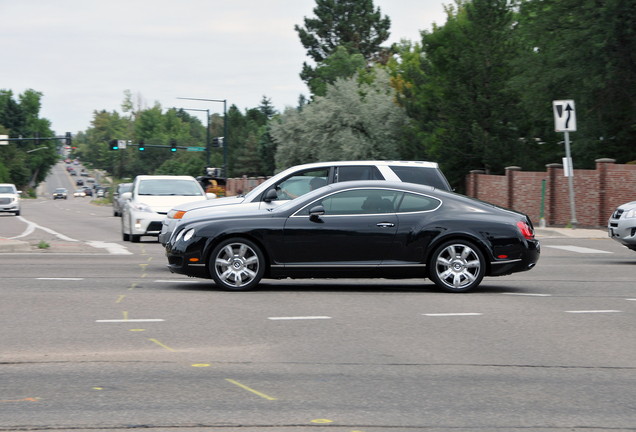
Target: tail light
(526, 231)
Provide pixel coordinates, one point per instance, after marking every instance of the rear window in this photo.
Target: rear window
(421, 175)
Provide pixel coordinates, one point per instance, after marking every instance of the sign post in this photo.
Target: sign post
(565, 121)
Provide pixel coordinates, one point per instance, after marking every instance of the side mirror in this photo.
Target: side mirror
(316, 212)
(126, 196)
(210, 195)
(270, 195)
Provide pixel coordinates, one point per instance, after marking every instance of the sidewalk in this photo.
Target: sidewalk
(14, 246)
(571, 233)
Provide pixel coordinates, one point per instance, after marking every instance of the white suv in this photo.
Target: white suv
(150, 198)
(9, 198)
(300, 179)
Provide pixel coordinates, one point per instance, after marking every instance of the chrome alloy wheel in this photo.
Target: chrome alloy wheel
(237, 265)
(458, 266)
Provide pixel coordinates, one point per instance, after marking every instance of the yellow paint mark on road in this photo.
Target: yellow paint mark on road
(143, 266)
(322, 421)
(150, 259)
(133, 286)
(21, 400)
(98, 388)
(121, 297)
(200, 365)
(125, 316)
(251, 390)
(160, 344)
(144, 275)
(137, 329)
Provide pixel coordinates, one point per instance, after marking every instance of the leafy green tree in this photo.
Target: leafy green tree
(583, 50)
(340, 64)
(266, 107)
(355, 120)
(353, 24)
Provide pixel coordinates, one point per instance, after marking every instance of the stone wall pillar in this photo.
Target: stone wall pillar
(510, 176)
(551, 192)
(601, 168)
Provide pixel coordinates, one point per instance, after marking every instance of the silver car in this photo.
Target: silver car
(117, 200)
(622, 225)
(300, 179)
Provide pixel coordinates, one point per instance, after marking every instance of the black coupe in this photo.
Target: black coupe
(358, 230)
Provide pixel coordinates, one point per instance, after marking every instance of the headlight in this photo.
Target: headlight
(142, 207)
(175, 214)
(630, 214)
(188, 235)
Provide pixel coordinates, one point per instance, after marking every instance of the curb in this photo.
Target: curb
(14, 246)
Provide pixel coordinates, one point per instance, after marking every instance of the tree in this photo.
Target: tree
(340, 64)
(266, 108)
(355, 120)
(353, 24)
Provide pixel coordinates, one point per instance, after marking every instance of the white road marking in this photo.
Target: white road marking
(529, 294)
(299, 318)
(594, 311)
(578, 249)
(112, 248)
(179, 281)
(452, 314)
(62, 279)
(630, 299)
(130, 320)
(31, 226)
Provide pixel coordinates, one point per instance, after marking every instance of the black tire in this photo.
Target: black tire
(237, 264)
(17, 213)
(457, 266)
(124, 236)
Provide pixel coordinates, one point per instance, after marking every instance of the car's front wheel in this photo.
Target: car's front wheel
(237, 264)
(457, 266)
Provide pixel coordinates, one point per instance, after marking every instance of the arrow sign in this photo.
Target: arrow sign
(564, 116)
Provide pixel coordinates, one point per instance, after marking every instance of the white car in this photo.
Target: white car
(300, 179)
(622, 225)
(9, 198)
(150, 199)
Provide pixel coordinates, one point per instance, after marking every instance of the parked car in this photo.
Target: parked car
(358, 230)
(622, 225)
(60, 193)
(150, 198)
(10, 198)
(297, 181)
(79, 193)
(117, 200)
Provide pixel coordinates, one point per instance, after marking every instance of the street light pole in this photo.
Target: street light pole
(207, 148)
(224, 128)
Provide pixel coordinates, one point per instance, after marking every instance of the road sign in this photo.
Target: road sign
(196, 148)
(564, 116)
(4, 137)
(121, 144)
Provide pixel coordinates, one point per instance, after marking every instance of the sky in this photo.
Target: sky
(83, 54)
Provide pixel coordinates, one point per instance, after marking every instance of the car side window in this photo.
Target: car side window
(300, 183)
(418, 203)
(358, 202)
(352, 173)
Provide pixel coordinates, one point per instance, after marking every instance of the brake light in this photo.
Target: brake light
(526, 231)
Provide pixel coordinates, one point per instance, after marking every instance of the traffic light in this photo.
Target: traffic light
(173, 146)
(68, 138)
(217, 142)
(113, 145)
(141, 145)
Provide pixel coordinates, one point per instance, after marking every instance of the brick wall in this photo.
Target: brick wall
(596, 192)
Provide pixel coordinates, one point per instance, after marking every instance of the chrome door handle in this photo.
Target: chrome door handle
(386, 225)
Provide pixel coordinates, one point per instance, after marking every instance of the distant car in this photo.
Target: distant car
(73, 173)
(88, 191)
(622, 225)
(79, 193)
(90, 180)
(300, 179)
(150, 198)
(99, 192)
(117, 199)
(9, 198)
(68, 161)
(79, 182)
(358, 229)
(60, 193)
(84, 174)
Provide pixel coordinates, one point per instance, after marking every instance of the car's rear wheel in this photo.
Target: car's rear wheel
(457, 266)
(237, 264)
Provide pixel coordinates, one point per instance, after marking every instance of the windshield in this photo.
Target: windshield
(6, 189)
(168, 187)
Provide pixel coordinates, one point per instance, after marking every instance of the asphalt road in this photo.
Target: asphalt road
(98, 335)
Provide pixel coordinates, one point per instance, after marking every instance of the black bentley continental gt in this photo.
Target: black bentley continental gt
(359, 229)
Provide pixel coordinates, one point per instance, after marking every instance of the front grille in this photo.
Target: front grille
(154, 226)
(5, 201)
(617, 214)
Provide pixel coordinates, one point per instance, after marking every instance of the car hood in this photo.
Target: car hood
(627, 206)
(163, 204)
(6, 195)
(216, 202)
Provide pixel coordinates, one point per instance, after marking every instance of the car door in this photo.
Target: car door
(355, 231)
